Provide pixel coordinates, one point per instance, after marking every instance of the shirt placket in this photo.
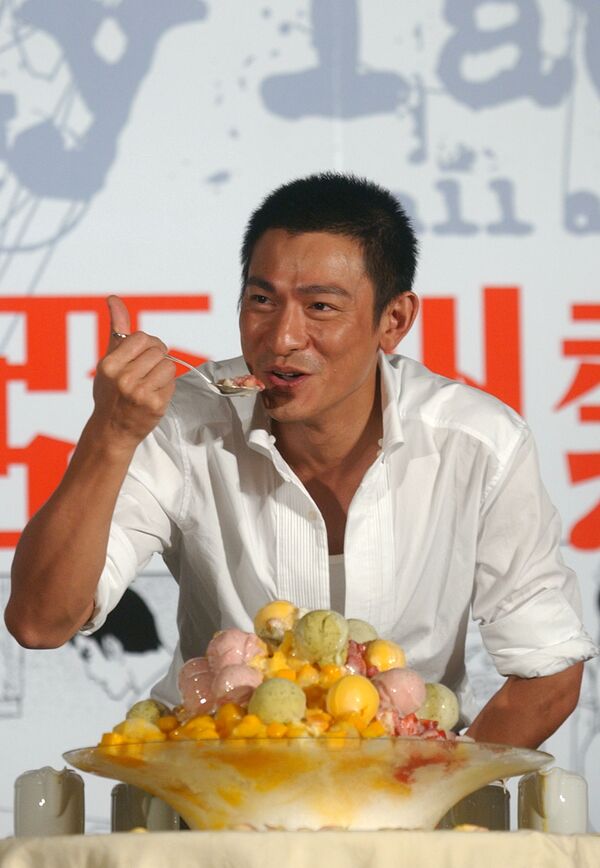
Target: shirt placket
(370, 553)
(302, 555)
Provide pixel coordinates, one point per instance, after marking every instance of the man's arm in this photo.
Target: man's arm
(62, 551)
(526, 711)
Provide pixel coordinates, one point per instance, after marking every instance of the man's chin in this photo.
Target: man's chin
(283, 408)
(283, 415)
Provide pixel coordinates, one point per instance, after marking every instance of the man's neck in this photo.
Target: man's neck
(343, 440)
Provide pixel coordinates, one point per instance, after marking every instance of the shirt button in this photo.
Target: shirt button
(313, 515)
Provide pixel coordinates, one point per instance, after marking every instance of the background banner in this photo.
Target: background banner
(135, 138)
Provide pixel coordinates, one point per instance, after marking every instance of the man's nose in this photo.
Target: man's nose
(288, 330)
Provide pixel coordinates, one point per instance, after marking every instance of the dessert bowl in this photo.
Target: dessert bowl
(309, 783)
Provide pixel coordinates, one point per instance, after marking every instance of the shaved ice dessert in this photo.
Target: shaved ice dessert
(301, 674)
(312, 722)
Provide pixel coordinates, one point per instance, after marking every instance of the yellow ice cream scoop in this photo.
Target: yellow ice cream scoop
(385, 655)
(272, 621)
(353, 694)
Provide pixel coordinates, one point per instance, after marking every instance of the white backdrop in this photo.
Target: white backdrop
(135, 138)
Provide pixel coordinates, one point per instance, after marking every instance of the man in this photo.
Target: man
(428, 488)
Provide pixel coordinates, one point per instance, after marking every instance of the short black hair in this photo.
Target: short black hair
(344, 204)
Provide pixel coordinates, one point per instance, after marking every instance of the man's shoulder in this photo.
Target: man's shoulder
(440, 402)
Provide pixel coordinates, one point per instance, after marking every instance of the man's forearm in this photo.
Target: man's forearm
(61, 553)
(62, 550)
(526, 711)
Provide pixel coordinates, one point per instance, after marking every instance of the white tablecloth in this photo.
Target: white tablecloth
(305, 850)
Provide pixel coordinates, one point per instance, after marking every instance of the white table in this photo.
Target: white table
(305, 850)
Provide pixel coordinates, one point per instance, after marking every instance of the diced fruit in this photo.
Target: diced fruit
(374, 730)
(275, 663)
(296, 730)
(307, 675)
(168, 723)
(228, 716)
(138, 730)
(276, 730)
(111, 738)
(250, 726)
(330, 674)
(315, 696)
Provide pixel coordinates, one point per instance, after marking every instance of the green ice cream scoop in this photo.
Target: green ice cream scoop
(440, 704)
(361, 631)
(147, 709)
(321, 637)
(278, 701)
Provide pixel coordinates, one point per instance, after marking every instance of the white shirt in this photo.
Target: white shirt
(451, 517)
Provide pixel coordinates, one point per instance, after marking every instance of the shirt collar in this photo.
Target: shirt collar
(390, 401)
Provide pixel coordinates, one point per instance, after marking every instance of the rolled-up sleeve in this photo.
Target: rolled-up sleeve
(526, 599)
(141, 525)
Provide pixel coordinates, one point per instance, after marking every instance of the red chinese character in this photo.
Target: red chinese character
(46, 458)
(583, 466)
(502, 342)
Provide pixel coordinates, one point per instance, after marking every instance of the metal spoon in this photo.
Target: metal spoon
(218, 388)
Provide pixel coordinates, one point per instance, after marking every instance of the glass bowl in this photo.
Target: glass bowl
(309, 783)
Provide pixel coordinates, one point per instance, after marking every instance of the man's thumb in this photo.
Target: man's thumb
(119, 318)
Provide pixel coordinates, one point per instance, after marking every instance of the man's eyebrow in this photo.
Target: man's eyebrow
(309, 289)
(319, 289)
(260, 283)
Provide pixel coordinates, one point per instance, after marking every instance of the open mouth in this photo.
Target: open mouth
(279, 377)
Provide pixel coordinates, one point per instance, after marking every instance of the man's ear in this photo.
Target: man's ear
(397, 319)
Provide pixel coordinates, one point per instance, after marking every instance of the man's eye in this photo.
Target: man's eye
(259, 299)
(321, 305)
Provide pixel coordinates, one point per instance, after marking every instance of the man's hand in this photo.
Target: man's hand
(526, 711)
(62, 551)
(134, 383)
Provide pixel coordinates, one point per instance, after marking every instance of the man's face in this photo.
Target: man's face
(307, 327)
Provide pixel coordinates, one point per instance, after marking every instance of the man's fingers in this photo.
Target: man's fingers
(119, 319)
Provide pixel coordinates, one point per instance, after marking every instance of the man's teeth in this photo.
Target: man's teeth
(287, 376)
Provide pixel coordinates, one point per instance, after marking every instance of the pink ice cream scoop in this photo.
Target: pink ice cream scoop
(233, 647)
(235, 684)
(195, 681)
(401, 690)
